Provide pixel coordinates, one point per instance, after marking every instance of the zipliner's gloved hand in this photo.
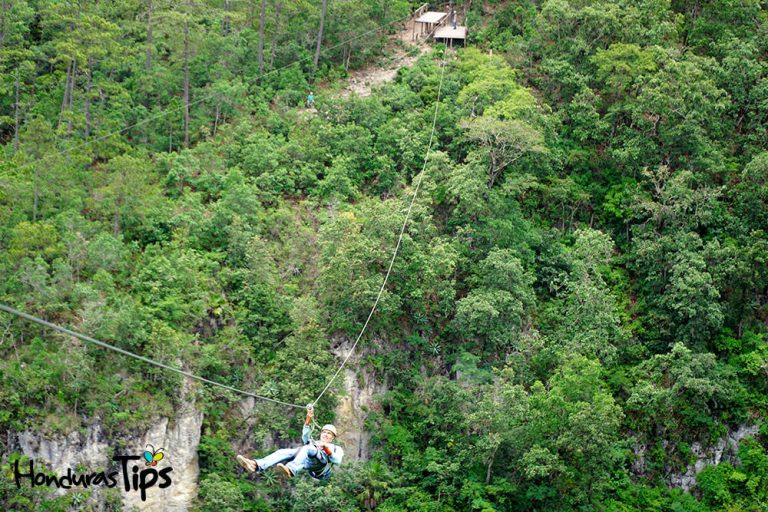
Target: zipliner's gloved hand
(327, 449)
(310, 414)
(324, 447)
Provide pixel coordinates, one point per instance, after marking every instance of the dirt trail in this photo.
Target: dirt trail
(398, 48)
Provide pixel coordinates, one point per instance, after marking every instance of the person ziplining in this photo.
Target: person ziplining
(317, 457)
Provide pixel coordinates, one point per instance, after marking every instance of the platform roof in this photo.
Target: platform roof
(431, 17)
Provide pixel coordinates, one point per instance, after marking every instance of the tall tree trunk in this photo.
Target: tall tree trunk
(72, 84)
(261, 37)
(186, 82)
(148, 62)
(347, 56)
(16, 115)
(490, 465)
(71, 73)
(225, 22)
(65, 100)
(87, 102)
(71, 94)
(216, 121)
(278, 8)
(320, 32)
(116, 218)
(148, 65)
(37, 188)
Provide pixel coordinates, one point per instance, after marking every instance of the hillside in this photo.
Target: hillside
(575, 317)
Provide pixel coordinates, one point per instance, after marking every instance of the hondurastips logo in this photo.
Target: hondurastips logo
(133, 477)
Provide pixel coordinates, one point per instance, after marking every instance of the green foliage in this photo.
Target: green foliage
(685, 389)
(737, 488)
(496, 309)
(669, 256)
(176, 285)
(219, 495)
(752, 193)
(304, 363)
(585, 267)
(310, 496)
(637, 498)
(590, 322)
(33, 239)
(621, 64)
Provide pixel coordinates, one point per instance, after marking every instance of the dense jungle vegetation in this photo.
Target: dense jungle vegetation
(581, 293)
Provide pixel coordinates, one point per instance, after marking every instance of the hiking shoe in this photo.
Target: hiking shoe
(284, 471)
(249, 464)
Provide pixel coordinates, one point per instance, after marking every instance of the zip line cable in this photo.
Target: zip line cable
(94, 341)
(102, 344)
(399, 239)
(164, 113)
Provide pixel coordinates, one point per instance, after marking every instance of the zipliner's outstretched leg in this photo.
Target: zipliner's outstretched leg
(259, 465)
(248, 464)
(277, 457)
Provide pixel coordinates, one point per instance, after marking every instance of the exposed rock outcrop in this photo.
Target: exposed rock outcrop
(725, 450)
(180, 440)
(360, 390)
(88, 450)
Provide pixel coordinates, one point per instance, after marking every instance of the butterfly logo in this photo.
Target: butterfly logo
(154, 456)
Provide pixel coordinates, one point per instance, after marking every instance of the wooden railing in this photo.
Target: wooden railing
(438, 25)
(418, 12)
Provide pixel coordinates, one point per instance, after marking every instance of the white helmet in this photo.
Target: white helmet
(330, 428)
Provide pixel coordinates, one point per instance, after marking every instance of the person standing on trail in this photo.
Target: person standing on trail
(318, 457)
(310, 100)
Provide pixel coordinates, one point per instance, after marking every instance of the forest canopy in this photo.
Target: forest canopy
(579, 305)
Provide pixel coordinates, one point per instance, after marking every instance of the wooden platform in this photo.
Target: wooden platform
(439, 26)
(447, 34)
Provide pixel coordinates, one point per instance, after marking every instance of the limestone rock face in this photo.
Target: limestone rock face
(360, 388)
(179, 442)
(89, 449)
(352, 412)
(725, 450)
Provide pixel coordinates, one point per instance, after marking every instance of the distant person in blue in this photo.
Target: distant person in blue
(317, 457)
(310, 100)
